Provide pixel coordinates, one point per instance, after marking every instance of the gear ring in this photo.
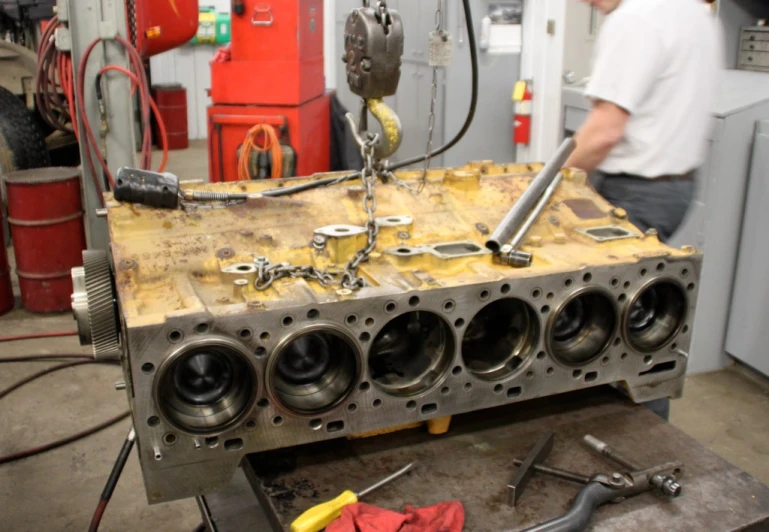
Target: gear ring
(93, 304)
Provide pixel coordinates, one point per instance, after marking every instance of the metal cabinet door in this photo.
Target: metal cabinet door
(748, 335)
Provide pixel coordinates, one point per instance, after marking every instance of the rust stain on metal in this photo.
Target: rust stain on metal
(584, 208)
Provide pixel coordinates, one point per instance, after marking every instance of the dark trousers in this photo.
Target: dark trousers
(650, 204)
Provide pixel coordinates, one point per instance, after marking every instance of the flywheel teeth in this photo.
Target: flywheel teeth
(101, 304)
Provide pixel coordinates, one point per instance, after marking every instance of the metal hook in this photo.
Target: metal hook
(392, 131)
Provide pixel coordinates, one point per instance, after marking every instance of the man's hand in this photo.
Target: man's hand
(603, 129)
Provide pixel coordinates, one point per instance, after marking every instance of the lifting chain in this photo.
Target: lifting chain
(433, 98)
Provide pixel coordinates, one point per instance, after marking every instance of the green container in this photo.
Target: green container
(213, 27)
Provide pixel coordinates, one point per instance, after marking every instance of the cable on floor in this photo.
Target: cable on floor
(26, 380)
(45, 358)
(33, 336)
(114, 476)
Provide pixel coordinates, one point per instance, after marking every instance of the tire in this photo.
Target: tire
(22, 144)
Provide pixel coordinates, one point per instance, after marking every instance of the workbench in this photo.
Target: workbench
(473, 463)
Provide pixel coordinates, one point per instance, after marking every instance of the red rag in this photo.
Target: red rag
(361, 517)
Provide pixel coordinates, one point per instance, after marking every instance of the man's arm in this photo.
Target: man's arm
(603, 129)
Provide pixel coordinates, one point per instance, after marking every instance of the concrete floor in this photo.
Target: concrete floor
(727, 411)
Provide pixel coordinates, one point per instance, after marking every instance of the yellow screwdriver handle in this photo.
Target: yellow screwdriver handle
(319, 517)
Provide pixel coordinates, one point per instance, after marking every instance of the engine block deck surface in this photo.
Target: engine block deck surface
(217, 368)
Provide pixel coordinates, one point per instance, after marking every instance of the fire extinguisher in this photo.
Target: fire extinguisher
(522, 105)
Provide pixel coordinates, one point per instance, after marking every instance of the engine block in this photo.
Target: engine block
(216, 368)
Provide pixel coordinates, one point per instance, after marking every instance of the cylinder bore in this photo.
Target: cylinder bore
(411, 353)
(311, 372)
(500, 338)
(583, 327)
(206, 386)
(655, 315)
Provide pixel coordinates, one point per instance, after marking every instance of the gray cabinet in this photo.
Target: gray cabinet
(748, 335)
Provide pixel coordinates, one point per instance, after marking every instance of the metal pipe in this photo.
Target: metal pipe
(517, 214)
(536, 211)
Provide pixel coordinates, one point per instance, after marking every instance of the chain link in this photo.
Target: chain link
(350, 278)
(433, 98)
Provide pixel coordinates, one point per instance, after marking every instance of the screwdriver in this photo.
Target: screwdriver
(319, 517)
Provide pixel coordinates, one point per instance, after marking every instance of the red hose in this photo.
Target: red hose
(56, 334)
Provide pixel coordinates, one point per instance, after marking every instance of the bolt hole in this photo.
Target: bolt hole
(540, 355)
(615, 282)
(148, 367)
(449, 306)
(169, 438)
(390, 307)
(684, 272)
(545, 309)
(212, 442)
(153, 421)
(647, 359)
(660, 266)
(498, 388)
(235, 444)
(201, 328)
(316, 424)
(623, 356)
(352, 319)
(468, 386)
(175, 336)
(529, 374)
(485, 294)
(536, 293)
(364, 386)
(263, 403)
(685, 329)
(674, 346)
(577, 373)
(550, 371)
(605, 360)
(626, 284)
(428, 409)
(264, 336)
(352, 407)
(690, 287)
(377, 403)
(287, 321)
(550, 296)
(250, 424)
(591, 376)
(505, 289)
(617, 341)
(459, 323)
(514, 392)
(260, 351)
(445, 390)
(413, 301)
(457, 370)
(643, 272)
(567, 283)
(245, 333)
(411, 405)
(313, 314)
(277, 421)
(621, 298)
(587, 277)
(369, 322)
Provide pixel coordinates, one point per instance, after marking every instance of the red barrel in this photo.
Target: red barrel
(45, 213)
(6, 290)
(171, 100)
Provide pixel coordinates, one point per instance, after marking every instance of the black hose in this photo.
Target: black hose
(326, 181)
(114, 476)
(473, 99)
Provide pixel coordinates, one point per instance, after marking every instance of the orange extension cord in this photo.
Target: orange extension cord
(271, 143)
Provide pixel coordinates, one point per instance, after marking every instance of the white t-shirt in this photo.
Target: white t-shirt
(659, 60)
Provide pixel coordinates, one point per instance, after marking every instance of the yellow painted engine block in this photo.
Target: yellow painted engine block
(217, 367)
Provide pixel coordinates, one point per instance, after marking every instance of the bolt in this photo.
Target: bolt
(651, 233)
(101, 213)
(616, 477)
(319, 240)
(197, 443)
(365, 64)
(158, 454)
(404, 235)
(120, 385)
(260, 260)
(482, 228)
(239, 288)
(255, 304)
(619, 213)
(127, 264)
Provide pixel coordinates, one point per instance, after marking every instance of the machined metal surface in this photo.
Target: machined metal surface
(93, 304)
(439, 327)
(526, 468)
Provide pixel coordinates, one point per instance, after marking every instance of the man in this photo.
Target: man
(653, 88)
